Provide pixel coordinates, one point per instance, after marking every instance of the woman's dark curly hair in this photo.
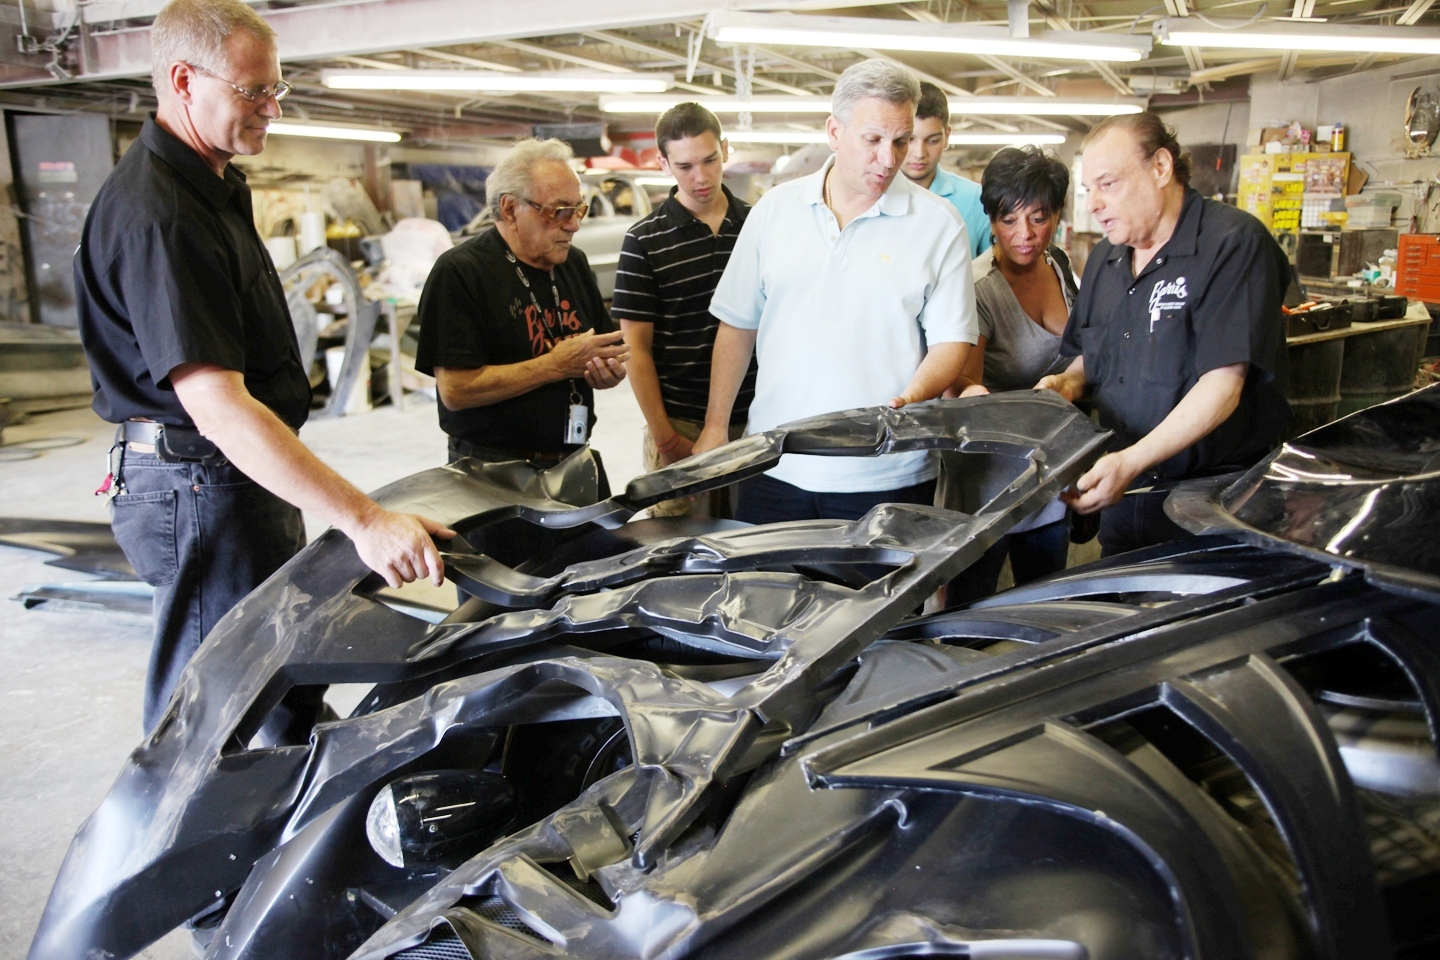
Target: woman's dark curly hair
(1017, 177)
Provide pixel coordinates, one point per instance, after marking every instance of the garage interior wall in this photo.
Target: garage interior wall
(1372, 107)
(14, 295)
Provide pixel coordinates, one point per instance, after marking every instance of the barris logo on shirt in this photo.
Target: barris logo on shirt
(544, 328)
(1168, 288)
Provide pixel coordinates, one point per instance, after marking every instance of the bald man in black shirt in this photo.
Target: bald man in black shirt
(192, 353)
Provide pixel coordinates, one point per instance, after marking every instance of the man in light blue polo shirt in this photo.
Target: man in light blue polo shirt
(922, 166)
(852, 287)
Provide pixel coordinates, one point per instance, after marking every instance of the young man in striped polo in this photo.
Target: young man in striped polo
(669, 266)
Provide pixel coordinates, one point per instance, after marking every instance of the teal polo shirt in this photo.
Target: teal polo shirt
(964, 195)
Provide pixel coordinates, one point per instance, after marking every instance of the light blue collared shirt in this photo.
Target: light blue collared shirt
(843, 317)
(964, 195)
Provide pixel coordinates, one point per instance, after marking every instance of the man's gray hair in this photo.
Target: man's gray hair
(195, 31)
(515, 175)
(880, 79)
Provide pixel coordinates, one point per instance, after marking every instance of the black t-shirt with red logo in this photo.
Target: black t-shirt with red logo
(475, 312)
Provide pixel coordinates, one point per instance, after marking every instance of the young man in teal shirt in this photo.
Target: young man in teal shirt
(922, 166)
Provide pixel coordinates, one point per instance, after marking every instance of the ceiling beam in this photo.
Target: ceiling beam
(1302, 10)
(799, 64)
(370, 63)
(1236, 69)
(653, 51)
(464, 61)
(327, 30)
(539, 51)
(1414, 12)
(1055, 20)
(925, 16)
(1177, 8)
(1024, 79)
(1366, 62)
(1261, 64)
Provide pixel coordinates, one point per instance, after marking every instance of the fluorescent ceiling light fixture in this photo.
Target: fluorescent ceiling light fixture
(655, 181)
(1301, 37)
(1005, 139)
(983, 106)
(480, 81)
(285, 128)
(956, 139)
(961, 106)
(788, 29)
(776, 136)
(658, 105)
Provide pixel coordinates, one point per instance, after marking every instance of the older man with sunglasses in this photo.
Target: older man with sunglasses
(512, 324)
(193, 355)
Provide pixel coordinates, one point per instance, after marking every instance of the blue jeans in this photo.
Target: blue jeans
(203, 537)
(1033, 554)
(764, 499)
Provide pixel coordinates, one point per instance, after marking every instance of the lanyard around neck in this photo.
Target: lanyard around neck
(554, 336)
(554, 292)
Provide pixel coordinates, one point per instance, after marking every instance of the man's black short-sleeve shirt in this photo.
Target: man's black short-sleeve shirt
(1209, 298)
(669, 265)
(475, 312)
(171, 270)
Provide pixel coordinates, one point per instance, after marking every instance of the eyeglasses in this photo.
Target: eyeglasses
(554, 214)
(278, 92)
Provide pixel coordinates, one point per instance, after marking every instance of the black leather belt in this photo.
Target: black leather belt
(170, 443)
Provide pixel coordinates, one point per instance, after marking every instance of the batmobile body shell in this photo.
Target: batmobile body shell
(742, 742)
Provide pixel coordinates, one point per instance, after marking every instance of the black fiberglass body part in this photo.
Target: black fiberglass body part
(577, 619)
(1362, 492)
(644, 740)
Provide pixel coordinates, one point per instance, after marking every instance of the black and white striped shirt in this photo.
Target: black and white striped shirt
(669, 266)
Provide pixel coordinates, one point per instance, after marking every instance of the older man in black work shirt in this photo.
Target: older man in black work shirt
(512, 324)
(192, 352)
(1177, 326)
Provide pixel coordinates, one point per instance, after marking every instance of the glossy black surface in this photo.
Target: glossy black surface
(237, 769)
(1362, 492)
(740, 742)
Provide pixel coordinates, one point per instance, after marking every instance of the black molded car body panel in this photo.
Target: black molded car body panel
(1361, 492)
(735, 742)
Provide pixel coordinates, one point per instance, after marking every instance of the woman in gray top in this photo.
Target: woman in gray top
(1023, 291)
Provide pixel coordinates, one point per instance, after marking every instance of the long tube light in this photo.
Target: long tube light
(1301, 36)
(479, 81)
(800, 137)
(1005, 139)
(966, 106)
(285, 128)
(777, 136)
(658, 105)
(806, 31)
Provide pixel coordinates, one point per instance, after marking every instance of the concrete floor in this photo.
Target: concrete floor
(70, 683)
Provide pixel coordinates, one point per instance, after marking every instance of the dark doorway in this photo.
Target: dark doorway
(59, 163)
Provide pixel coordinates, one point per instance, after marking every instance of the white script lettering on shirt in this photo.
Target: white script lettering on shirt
(1163, 289)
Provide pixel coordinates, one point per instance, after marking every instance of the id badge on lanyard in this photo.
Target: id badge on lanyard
(577, 417)
(577, 422)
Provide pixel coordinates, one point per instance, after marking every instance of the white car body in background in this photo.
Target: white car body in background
(617, 198)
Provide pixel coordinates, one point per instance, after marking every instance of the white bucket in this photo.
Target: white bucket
(359, 399)
(312, 231)
(282, 251)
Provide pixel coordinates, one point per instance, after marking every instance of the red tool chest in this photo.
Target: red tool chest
(1417, 274)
